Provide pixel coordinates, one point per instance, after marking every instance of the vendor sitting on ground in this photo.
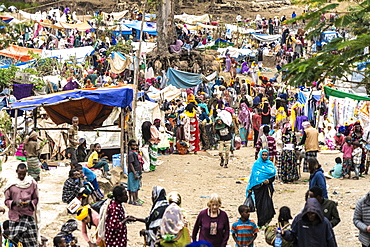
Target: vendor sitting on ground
(95, 162)
(176, 46)
(72, 186)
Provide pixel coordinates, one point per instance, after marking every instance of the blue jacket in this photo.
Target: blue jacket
(318, 179)
(88, 174)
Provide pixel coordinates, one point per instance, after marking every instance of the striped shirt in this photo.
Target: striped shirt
(244, 232)
(271, 145)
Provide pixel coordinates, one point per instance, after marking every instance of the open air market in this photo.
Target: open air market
(149, 125)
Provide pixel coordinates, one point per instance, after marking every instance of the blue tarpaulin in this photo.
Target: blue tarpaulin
(111, 96)
(148, 27)
(182, 79)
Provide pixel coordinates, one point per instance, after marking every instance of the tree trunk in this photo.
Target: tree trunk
(165, 26)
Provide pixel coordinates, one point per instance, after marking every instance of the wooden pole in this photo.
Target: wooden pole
(136, 72)
(15, 130)
(122, 142)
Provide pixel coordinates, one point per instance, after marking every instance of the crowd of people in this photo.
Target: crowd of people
(284, 125)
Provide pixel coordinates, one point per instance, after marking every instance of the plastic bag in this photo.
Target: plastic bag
(250, 203)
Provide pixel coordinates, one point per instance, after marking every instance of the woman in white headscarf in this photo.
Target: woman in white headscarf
(329, 136)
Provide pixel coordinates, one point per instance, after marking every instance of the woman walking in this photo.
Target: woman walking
(260, 183)
(289, 171)
(33, 163)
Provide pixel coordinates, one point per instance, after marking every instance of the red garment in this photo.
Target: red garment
(115, 230)
(194, 135)
(256, 121)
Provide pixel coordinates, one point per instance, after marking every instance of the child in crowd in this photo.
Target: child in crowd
(356, 158)
(59, 241)
(347, 157)
(244, 230)
(134, 173)
(95, 162)
(336, 172)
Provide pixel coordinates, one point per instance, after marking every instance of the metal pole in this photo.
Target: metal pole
(136, 71)
(15, 130)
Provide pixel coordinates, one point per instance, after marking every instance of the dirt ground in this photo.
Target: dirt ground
(196, 177)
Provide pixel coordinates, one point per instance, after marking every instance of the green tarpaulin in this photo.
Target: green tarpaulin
(339, 94)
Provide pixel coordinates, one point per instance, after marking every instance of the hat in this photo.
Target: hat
(82, 213)
(219, 126)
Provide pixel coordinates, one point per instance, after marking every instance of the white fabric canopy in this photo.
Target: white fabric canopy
(80, 53)
(193, 19)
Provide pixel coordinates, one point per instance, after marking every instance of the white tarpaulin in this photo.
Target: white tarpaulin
(145, 46)
(193, 19)
(80, 53)
(116, 15)
(118, 62)
(169, 93)
(234, 52)
(265, 37)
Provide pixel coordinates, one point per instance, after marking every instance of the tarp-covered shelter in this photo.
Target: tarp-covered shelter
(19, 52)
(64, 54)
(91, 106)
(192, 19)
(182, 79)
(214, 45)
(148, 27)
(83, 26)
(339, 94)
(265, 37)
(116, 15)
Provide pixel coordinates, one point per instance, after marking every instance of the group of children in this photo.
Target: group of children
(352, 161)
(244, 230)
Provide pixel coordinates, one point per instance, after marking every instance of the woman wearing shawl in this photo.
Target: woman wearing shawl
(289, 172)
(260, 184)
(330, 133)
(228, 61)
(245, 68)
(244, 120)
(151, 136)
(155, 218)
(192, 133)
(21, 197)
(266, 116)
(176, 47)
(357, 135)
(30, 144)
(174, 226)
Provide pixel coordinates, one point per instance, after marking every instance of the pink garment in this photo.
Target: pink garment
(17, 194)
(347, 150)
(176, 48)
(95, 219)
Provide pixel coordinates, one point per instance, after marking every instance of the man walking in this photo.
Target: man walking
(21, 197)
(310, 139)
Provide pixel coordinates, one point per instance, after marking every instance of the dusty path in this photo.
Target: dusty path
(196, 177)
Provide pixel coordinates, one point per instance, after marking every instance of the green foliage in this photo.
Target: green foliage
(121, 48)
(21, 5)
(338, 59)
(7, 76)
(5, 122)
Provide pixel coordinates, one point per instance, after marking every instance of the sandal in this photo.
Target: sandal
(137, 204)
(222, 161)
(131, 202)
